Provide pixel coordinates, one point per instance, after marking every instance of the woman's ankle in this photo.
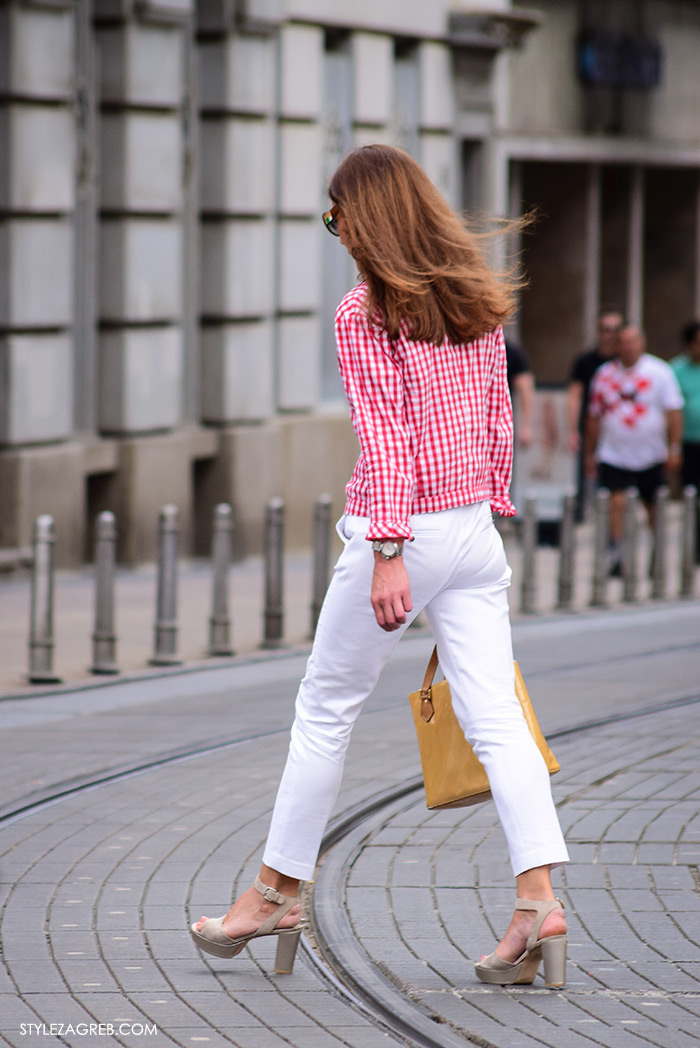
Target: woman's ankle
(288, 886)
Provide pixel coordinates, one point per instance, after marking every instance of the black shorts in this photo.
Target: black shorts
(647, 481)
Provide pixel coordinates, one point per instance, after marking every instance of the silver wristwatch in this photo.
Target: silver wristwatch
(387, 548)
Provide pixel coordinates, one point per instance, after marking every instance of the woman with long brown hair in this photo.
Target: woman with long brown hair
(422, 357)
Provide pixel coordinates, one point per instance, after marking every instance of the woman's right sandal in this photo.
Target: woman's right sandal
(551, 950)
(212, 938)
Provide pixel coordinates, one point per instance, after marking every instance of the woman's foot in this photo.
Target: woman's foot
(526, 944)
(249, 912)
(514, 942)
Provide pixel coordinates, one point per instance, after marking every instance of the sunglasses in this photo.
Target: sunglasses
(330, 220)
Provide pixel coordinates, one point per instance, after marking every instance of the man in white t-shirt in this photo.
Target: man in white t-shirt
(633, 429)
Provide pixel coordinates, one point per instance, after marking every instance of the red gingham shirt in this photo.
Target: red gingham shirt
(434, 422)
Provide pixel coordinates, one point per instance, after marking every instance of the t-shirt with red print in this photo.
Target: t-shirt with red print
(631, 404)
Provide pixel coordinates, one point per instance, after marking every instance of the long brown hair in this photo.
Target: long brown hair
(420, 263)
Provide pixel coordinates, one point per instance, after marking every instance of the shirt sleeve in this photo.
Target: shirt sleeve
(580, 369)
(595, 402)
(517, 362)
(499, 418)
(374, 388)
(673, 395)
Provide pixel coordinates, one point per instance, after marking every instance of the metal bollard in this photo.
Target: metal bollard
(528, 589)
(165, 631)
(690, 540)
(41, 642)
(274, 572)
(321, 556)
(599, 597)
(220, 622)
(104, 641)
(630, 543)
(567, 539)
(660, 544)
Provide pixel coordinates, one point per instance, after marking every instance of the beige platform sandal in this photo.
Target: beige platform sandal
(211, 938)
(552, 950)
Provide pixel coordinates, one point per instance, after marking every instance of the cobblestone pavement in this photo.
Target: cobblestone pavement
(629, 803)
(97, 885)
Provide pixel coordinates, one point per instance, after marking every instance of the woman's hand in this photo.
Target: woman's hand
(391, 592)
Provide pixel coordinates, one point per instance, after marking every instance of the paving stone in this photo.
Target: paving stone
(142, 853)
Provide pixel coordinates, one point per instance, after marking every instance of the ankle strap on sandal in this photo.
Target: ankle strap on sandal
(542, 909)
(269, 894)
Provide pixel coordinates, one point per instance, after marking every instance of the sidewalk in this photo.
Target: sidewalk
(135, 603)
(97, 886)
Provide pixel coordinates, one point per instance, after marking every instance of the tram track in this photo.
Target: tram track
(331, 948)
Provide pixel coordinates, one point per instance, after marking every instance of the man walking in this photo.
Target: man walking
(633, 429)
(578, 391)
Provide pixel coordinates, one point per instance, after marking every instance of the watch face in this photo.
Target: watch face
(388, 549)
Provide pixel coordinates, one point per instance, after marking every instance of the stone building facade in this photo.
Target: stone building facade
(166, 286)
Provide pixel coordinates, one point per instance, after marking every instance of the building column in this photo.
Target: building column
(147, 290)
(37, 207)
(37, 202)
(141, 278)
(635, 272)
(298, 228)
(237, 96)
(591, 298)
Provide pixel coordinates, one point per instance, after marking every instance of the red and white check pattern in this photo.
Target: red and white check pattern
(434, 422)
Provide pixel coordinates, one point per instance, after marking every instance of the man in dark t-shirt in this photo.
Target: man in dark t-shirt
(521, 384)
(585, 367)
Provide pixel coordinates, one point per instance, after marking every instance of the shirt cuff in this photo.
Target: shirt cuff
(502, 505)
(389, 529)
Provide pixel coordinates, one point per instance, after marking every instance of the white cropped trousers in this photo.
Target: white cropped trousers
(459, 575)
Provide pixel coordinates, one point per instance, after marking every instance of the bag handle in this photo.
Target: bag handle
(427, 710)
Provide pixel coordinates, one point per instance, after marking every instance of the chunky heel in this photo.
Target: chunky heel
(287, 943)
(554, 957)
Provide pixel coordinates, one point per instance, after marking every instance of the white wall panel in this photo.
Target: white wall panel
(141, 64)
(142, 161)
(300, 264)
(437, 93)
(237, 372)
(37, 52)
(300, 162)
(36, 273)
(140, 270)
(238, 165)
(676, 103)
(140, 379)
(373, 58)
(299, 363)
(40, 157)
(545, 95)
(237, 73)
(36, 395)
(301, 91)
(439, 160)
(237, 268)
